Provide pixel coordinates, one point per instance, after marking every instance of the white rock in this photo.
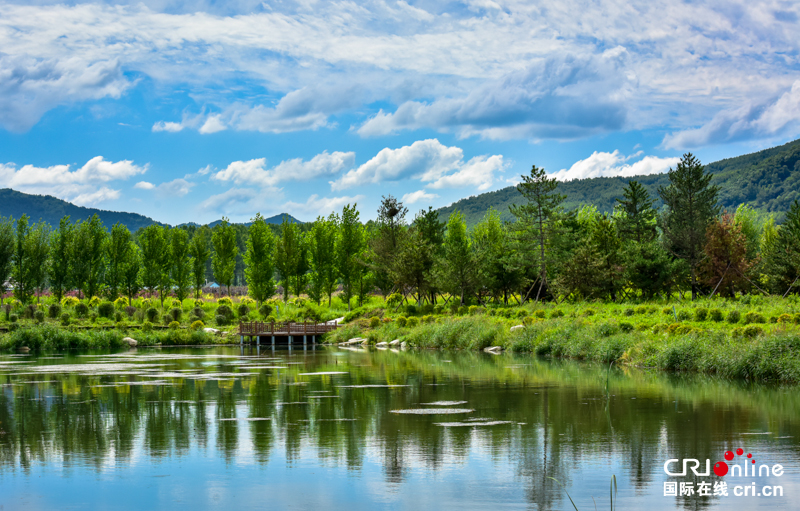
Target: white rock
(493, 349)
(213, 331)
(382, 344)
(335, 321)
(517, 327)
(394, 342)
(130, 341)
(403, 345)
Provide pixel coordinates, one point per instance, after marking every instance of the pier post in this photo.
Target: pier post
(304, 340)
(273, 341)
(241, 339)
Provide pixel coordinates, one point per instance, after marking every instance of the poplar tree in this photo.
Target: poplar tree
(131, 271)
(199, 253)
(180, 265)
(61, 242)
(225, 250)
(88, 251)
(259, 260)
(691, 203)
(288, 252)
(117, 255)
(349, 246)
(37, 248)
(458, 261)
(155, 257)
(322, 256)
(7, 250)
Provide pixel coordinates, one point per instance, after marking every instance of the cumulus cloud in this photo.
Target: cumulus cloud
(418, 196)
(81, 184)
(255, 171)
(172, 127)
(316, 205)
(603, 164)
(428, 161)
(753, 121)
(144, 185)
(175, 188)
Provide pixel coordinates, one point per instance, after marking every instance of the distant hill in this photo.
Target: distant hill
(277, 220)
(767, 180)
(51, 210)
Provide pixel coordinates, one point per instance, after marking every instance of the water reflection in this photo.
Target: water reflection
(324, 411)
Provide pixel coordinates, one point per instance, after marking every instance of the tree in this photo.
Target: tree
(117, 254)
(61, 258)
(199, 254)
(37, 249)
(495, 265)
(223, 258)
(348, 249)
(638, 219)
(22, 262)
(88, 251)
(431, 231)
(180, 265)
(7, 250)
(691, 203)
(609, 249)
(131, 280)
(786, 252)
(385, 241)
(726, 263)
(322, 252)
(536, 219)
(288, 255)
(259, 260)
(458, 263)
(155, 258)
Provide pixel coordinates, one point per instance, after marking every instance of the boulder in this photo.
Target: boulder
(23, 349)
(335, 321)
(517, 327)
(494, 350)
(395, 342)
(212, 331)
(403, 345)
(130, 341)
(382, 344)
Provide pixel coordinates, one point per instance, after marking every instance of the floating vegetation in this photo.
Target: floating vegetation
(471, 424)
(444, 403)
(433, 411)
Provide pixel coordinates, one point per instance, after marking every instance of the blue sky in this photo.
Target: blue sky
(188, 111)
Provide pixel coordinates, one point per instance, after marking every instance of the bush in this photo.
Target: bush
(785, 319)
(752, 331)
(225, 301)
(176, 313)
(629, 312)
(130, 310)
(401, 321)
(666, 311)
(438, 309)
(394, 299)
(118, 316)
(463, 310)
(684, 316)
(428, 319)
(557, 313)
(374, 322)
(353, 314)
(539, 313)
(265, 310)
(753, 317)
(411, 309)
(472, 310)
(28, 311)
(54, 311)
(95, 301)
(641, 310)
(120, 303)
(521, 313)
(733, 316)
(93, 317)
(700, 314)
(65, 319)
(81, 310)
(225, 310)
(70, 301)
(221, 319)
(247, 300)
(105, 309)
(39, 316)
(412, 322)
(152, 314)
(625, 327)
(147, 326)
(174, 325)
(426, 309)
(715, 315)
(243, 310)
(167, 319)
(197, 325)
(589, 312)
(199, 313)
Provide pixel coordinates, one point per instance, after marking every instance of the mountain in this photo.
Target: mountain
(277, 220)
(51, 210)
(767, 180)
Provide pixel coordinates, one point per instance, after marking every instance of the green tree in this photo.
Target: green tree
(638, 219)
(155, 258)
(259, 260)
(199, 253)
(180, 265)
(88, 252)
(37, 249)
(349, 247)
(458, 263)
(7, 250)
(691, 204)
(387, 237)
(131, 266)
(61, 258)
(495, 264)
(23, 288)
(537, 218)
(726, 264)
(117, 248)
(786, 253)
(606, 241)
(431, 231)
(225, 250)
(288, 255)
(322, 256)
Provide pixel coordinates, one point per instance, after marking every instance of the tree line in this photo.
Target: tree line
(547, 253)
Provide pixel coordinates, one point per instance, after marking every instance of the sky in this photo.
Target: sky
(189, 111)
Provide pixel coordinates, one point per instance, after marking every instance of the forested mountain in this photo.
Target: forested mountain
(767, 180)
(51, 210)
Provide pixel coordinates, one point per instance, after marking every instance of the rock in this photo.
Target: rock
(335, 321)
(517, 327)
(130, 341)
(394, 342)
(365, 342)
(212, 331)
(494, 350)
(403, 345)
(23, 349)
(382, 344)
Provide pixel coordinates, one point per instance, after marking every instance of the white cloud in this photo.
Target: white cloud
(171, 127)
(144, 185)
(316, 205)
(256, 172)
(175, 188)
(419, 195)
(603, 164)
(750, 122)
(81, 184)
(428, 161)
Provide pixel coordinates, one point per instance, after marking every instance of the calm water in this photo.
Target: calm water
(221, 428)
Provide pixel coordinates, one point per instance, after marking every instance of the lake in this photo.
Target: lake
(326, 428)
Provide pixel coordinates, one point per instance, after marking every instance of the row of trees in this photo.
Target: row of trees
(547, 253)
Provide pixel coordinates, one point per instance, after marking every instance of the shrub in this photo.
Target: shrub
(147, 326)
(472, 310)
(118, 316)
(81, 310)
(773, 319)
(733, 316)
(438, 309)
(152, 314)
(225, 310)
(197, 325)
(463, 310)
(174, 325)
(629, 312)
(70, 301)
(522, 313)
(199, 313)
(265, 310)
(120, 302)
(65, 319)
(93, 317)
(785, 318)
(353, 314)
(753, 317)
(700, 314)
(411, 309)
(666, 310)
(225, 301)
(539, 313)
(426, 309)
(39, 316)
(428, 319)
(28, 311)
(130, 310)
(7, 310)
(401, 321)
(641, 310)
(94, 301)
(54, 311)
(607, 329)
(715, 315)
(557, 313)
(684, 316)
(221, 319)
(394, 299)
(176, 313)
(453, 307)
(105, 309)
(243, 310)
(386, 320)
(412, 322)
(167, 319)
(752, 331)
(374, 322)
(589, 312)
(247, 300)
(626, 327)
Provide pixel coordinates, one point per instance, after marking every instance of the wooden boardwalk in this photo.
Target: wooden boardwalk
(290, 330)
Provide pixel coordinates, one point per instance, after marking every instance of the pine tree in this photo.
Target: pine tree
(691, 203)
(638, 219)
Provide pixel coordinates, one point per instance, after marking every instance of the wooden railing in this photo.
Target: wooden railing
(285, 328)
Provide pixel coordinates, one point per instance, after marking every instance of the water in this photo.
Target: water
(220, 428)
